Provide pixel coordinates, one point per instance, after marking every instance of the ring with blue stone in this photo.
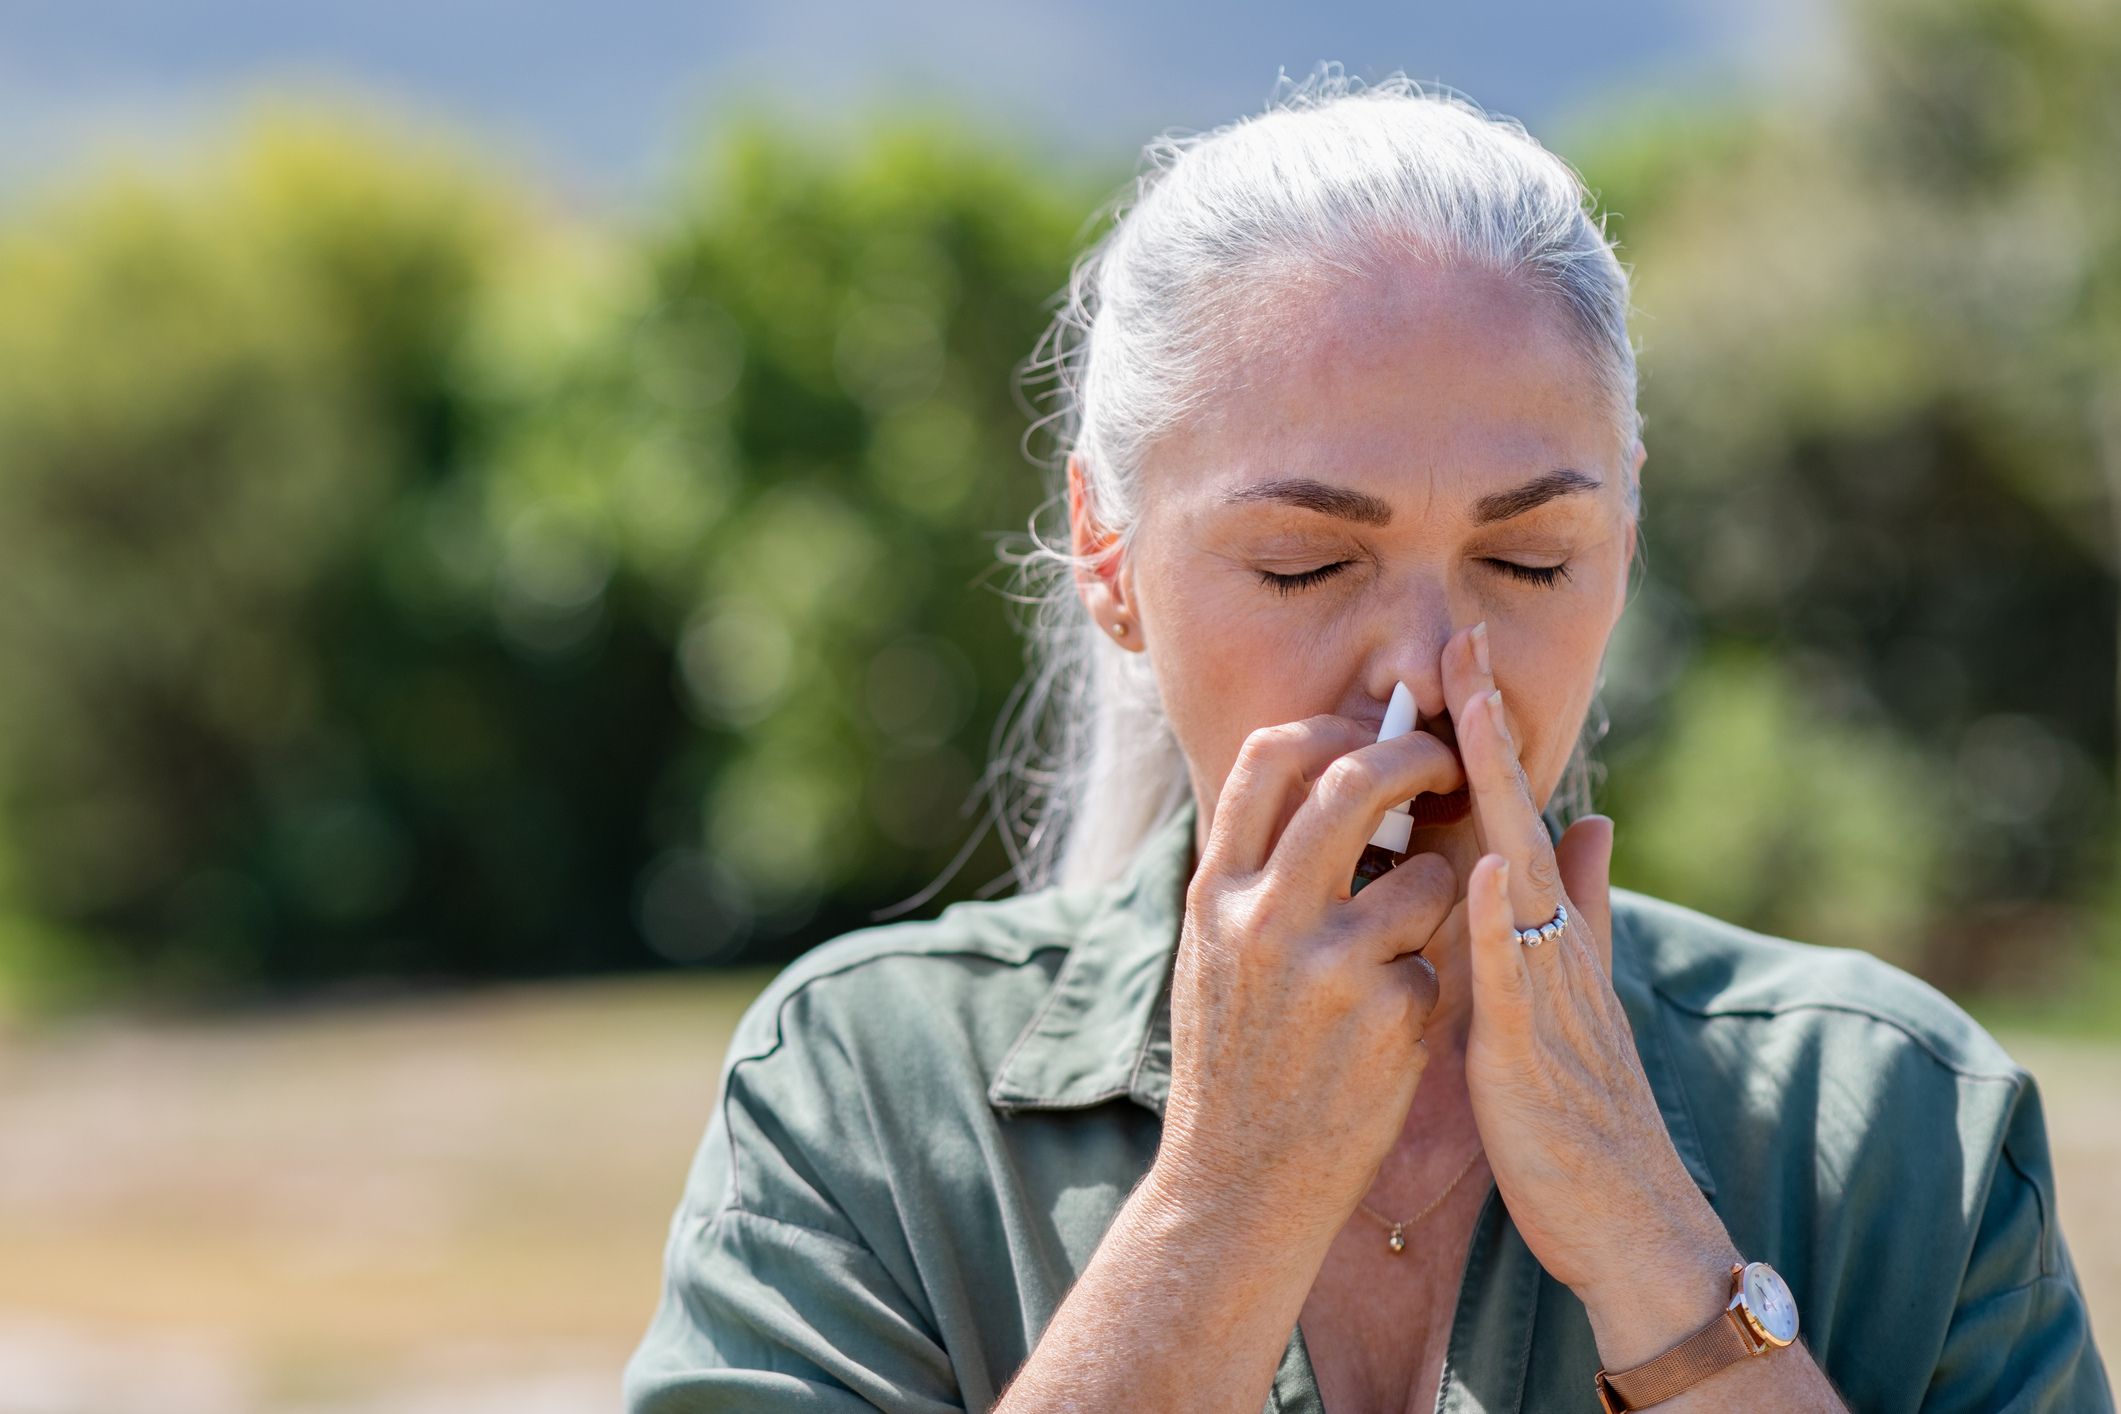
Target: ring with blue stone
(1533, 937)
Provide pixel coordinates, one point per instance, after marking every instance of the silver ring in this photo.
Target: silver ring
(1533, 937)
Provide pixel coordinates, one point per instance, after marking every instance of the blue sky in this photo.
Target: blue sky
(598, 97)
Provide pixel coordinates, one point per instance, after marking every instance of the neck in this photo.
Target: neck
(1439, 1131)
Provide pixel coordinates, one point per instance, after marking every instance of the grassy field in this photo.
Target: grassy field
(458, 1202)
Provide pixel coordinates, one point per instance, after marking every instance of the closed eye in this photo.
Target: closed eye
(1537, 574)
(1287, 584)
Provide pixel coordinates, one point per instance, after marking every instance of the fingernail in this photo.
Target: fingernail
(1495, 711)
(1480, 647)
(1502, 881)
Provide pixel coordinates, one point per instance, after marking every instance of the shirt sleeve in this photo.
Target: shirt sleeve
(2020, 1339)
(772, 1300)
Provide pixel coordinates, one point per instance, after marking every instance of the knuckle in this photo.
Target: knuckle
(1238, 915)
(1204, 890)
(1279, 745)
(1262, 744)
(1414, 898)
(1258, 916)
(1210, 896)
(1254, 764)
(1348, 779)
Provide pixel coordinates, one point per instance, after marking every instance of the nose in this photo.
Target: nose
(1415, 657)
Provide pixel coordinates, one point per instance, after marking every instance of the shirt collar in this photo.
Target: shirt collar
(1103, 1030)
(1104, 1027)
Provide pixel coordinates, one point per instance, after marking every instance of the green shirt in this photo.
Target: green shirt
(924, 1129)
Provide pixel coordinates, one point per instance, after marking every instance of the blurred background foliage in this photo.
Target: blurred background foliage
(408, 579)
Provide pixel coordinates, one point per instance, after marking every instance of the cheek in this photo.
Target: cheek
(1199, 642)
(1231, 658)
(1550, 675)
(1220, 680)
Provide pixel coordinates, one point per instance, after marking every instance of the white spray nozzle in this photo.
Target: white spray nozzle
(1399, 713)
(1398, 825)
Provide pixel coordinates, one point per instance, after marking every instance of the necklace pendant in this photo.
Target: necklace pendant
(1398, 1240)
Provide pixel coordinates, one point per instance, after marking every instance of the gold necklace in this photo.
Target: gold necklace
(1398, 1240)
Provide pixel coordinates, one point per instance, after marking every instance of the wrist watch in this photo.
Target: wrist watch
(1761, 1317)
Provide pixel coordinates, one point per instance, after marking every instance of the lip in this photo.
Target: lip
(1432, 809)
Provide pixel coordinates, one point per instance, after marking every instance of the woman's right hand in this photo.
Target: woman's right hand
(1297, 1009)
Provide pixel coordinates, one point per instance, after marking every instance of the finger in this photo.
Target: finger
(1585, 857)
(1510, 825)
(1269, 780)
(1418, 975)
(1502, 983)
(1398, 913)
(1326, 835)
(1507, 820)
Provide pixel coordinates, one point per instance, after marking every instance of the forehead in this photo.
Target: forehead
(1420, 380)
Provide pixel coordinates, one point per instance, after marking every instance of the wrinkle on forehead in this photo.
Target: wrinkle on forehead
(1435, 371)
(1428, 384)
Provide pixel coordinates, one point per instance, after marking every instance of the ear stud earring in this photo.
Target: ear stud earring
(1119, 630)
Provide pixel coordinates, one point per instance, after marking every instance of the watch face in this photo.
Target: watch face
(1768, 1301)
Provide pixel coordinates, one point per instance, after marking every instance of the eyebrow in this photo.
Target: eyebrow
(1312, 495)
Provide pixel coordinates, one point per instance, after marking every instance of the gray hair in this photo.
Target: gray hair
(1333, 176)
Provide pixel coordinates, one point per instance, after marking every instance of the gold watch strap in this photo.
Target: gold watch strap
(1715, 1345)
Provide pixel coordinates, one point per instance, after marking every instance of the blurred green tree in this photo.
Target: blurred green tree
(408, 581)
(791, 438)
(213, 395)
(1881, 343)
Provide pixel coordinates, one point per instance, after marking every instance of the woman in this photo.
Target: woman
(1190, 1123)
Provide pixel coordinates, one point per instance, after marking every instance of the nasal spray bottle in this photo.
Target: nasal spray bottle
(1388, 846)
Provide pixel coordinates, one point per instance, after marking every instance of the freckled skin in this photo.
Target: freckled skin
(1429, 389)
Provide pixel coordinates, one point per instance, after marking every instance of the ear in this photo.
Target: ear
(1102, 585)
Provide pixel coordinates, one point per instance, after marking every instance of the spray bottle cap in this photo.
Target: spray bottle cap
(1398, 825)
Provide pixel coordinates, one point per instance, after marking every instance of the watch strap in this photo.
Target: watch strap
(1719, 1343)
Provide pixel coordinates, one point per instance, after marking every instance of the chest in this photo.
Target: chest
(1377, 1324)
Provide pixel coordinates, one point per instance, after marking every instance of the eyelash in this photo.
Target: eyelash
(1286, 584)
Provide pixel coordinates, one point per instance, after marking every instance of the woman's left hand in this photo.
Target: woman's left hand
(1571, 1127)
